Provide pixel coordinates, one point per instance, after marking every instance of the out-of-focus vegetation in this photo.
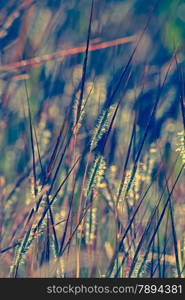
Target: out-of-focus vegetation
(92, 138)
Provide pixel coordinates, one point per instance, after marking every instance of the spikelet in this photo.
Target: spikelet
(77, 123)
(20, 251)
(31, 233)
(102, 126)
(25, 245)
(181, 145)
(90, 226)
(143, 175)
(91, 221)
(96, 173)
(109, 250)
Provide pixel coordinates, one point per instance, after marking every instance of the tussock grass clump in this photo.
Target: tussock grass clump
(92, 139)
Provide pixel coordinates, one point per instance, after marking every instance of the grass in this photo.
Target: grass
(92, 144)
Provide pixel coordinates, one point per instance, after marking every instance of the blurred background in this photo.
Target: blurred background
(31, 29)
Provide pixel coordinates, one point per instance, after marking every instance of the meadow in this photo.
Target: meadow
(92, 138)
